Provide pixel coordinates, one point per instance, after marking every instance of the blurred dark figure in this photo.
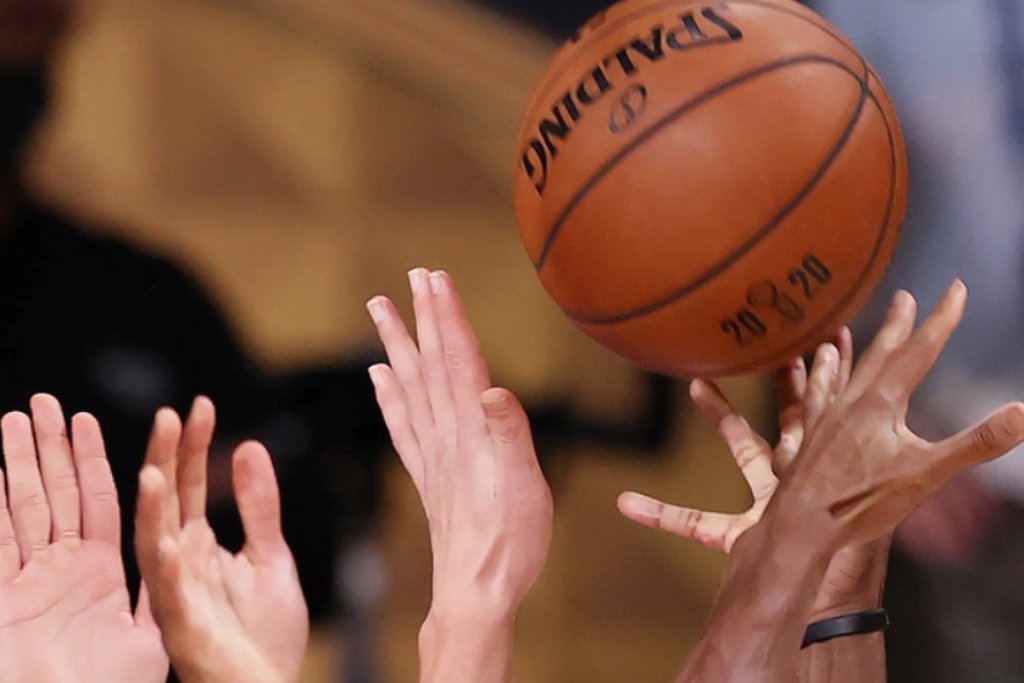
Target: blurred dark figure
(118, 332)
(557, 19)
(955, 69)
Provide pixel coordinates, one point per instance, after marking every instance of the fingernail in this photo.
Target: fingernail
(437, 282)
(416, 279)
(376, 308)
(639, 505)
(828, 353)
(696, 387)
(375, 371)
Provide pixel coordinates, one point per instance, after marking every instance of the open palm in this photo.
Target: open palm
(64, 606)
(224, 617)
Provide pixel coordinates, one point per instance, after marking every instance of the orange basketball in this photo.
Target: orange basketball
(710, 188)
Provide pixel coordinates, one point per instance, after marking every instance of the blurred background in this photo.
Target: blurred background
(199, 195)
(214, 189)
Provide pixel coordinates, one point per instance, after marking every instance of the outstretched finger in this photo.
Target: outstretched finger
(396, 418)
(509, 430)
(710, 529)
(10, 556)
(821, 384)
(907, 366)
(406, 364)
(995, 436)
(168, 601)
(162, 453)
(57, 467)
(30, 511)
(844, 342)
(899, 323)
(752, 453)
(101, 513)
(150, 527)
(432, 353)
(259, 502)
(466, 367)
(193, 459)
(790, 387)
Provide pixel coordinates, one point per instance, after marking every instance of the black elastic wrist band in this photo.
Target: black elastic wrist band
(846, 625)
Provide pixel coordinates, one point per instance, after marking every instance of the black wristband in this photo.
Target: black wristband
(846, 625)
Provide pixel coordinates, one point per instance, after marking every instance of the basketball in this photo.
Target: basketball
(710, 189)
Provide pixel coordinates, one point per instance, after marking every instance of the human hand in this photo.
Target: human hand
(224, 618)
(860, 470)
(468, 450)
(64, 606)
(855, 574)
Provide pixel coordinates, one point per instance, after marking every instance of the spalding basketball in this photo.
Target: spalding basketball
(708, 188)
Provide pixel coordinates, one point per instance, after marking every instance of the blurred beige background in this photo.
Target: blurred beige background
(299, 157)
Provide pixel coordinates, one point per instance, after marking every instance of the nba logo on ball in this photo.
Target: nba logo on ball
(710, 189)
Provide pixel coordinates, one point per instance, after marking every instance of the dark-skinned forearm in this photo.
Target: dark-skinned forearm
(758, 621)
(854, 658)
(851, 659)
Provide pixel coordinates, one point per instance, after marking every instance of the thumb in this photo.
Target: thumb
(996, 435)
(509, 428)
(259, 501)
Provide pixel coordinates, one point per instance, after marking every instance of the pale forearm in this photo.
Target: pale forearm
(467, 648)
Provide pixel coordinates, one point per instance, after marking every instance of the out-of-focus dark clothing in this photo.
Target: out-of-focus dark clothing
(557, 19)
(117, 332)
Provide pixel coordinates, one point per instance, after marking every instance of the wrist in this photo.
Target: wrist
(466, 643)
(855, 581)
(448, 621)
(777, 566)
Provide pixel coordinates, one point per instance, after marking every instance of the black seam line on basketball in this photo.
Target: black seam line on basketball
(666, 120)
(651, 9)
(883, 234)
(751, 242)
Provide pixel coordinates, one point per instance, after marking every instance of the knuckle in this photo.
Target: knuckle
(747, 452)
(985, 438)
(455, 359)
(31, 501)
(879, 396)
(103, 496)
(507, 433)
(687, 520)
(65, 481)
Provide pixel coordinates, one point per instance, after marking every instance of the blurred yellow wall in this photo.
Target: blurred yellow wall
(300, 157)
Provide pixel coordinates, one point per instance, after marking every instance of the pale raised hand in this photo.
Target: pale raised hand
(224, 617)
(468, 449)
(64, 606)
